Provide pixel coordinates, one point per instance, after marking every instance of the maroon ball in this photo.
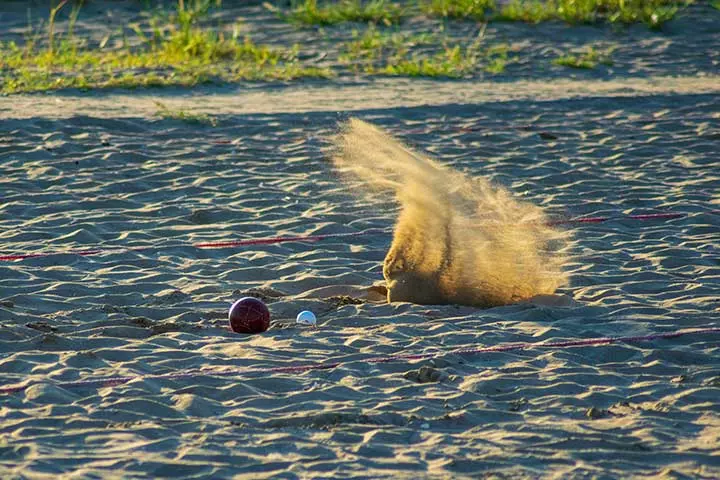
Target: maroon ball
(249, 315)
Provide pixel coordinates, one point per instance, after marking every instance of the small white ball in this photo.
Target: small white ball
(306, 317)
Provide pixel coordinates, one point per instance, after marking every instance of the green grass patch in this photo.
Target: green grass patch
(193, 118)
(372, 46)
(452, 62)
(496, 59)
(653, 13)
(528, 11)
(469, 9)
(310, 12)
(179, 53)
(587, 59)
(375, 52)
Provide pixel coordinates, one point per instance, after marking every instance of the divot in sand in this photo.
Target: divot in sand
(457, 240)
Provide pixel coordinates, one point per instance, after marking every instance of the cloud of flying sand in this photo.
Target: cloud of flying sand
(457, 239)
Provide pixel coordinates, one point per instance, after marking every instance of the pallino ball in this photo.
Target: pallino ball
(249, 315)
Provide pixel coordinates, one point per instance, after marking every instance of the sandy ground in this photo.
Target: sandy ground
(131, 181)
(79, 170)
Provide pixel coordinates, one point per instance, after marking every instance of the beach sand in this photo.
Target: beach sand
(98, 169)
(627, 409)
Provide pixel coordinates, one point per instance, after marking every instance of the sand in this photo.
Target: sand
(79, 170)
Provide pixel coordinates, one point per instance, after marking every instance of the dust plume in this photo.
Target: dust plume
(457, 240)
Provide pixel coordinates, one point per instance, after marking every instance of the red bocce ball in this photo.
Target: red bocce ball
(249, 315)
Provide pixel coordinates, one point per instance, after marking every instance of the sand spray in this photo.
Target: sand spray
(457, 239)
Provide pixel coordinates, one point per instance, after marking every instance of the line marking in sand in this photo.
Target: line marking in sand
(649, 216)
(222, 372)
(315, 238)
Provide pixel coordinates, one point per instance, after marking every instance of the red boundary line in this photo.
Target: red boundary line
(113, 381)
(650, 216)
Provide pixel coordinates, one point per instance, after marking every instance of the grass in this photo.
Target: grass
(588, 59)
(497, 59)
(653, 13)
(309, 12)
(178, 53)
(451, 62)
(373, 46)
(528, 11)
(473, 9)
(194, 118)
(376, 53)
